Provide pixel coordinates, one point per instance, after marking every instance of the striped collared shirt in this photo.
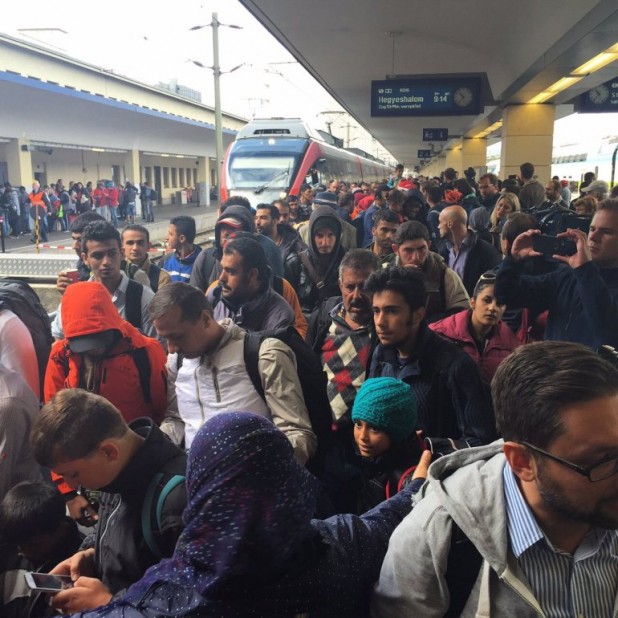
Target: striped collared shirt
(584, 584)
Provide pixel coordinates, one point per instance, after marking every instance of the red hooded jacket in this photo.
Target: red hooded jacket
(87, 308)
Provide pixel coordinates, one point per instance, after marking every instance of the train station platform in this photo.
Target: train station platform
(21, 260)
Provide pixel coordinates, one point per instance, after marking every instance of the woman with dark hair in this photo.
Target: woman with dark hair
(479, 331)
(250, 547)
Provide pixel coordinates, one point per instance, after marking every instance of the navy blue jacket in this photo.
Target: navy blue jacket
(582, 302)
(180, 268)
(452, 401)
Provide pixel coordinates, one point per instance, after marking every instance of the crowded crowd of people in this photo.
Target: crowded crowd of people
(247, 429)
(53, 207)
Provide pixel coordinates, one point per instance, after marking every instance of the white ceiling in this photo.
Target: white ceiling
(522, 46)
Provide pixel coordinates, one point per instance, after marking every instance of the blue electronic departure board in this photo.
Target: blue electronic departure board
(455, 96)
(603, 98)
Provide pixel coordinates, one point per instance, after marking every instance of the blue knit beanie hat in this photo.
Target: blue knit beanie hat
(388, 404)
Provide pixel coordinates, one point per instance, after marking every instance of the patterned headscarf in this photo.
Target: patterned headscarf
(249, 508)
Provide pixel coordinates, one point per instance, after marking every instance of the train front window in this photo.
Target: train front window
(252, 171)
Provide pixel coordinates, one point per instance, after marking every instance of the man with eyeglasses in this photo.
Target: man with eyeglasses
(525, 527)
(490, 193)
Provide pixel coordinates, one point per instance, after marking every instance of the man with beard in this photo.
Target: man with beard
(529, 526)
(384, 230)
(243, 293)
(320, 262)
(285, 237)
(341, 332)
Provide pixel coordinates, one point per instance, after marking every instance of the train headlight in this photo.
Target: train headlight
(282, 195)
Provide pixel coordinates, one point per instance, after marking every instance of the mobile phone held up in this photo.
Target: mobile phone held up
(551, 245)
(44, 582)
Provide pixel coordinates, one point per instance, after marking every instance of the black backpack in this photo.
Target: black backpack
(311, 375)
(17, 296)
(154, 196)
(133, 307)
(312, 379)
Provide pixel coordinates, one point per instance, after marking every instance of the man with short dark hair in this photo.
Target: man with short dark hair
(552, 212)
(445, 291)
(434, 194)
(379, 202)
(212, 376)
(283, 207)
(102, 253)
(454, 410)
(582, 296)
(532, 192)
(384, 229)
(305, 202)
(234, 218)
(526, 527)
(244, 294)
(393, 181)
(489, 190)
(285, 237)
(135, 245)
(180, 237)
(83, 437)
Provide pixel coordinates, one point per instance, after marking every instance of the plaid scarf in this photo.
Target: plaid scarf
(345, 353)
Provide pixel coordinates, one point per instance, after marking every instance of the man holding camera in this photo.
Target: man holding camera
(582, 295)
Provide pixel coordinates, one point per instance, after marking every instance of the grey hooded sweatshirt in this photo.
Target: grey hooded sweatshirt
(465, 487)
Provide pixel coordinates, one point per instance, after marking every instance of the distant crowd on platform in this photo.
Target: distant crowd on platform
(54, 207)
(247, 429)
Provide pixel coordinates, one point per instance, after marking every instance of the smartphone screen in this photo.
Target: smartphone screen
(47, 582)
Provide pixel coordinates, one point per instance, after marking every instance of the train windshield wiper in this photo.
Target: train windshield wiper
(272, 179)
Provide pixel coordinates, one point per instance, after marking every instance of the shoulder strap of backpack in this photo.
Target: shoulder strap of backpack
(251, 351)
(462, 570)
(278, 284)
(311, 271)
(142, 362)
(153, 276)
(148, 506)
(133, 308)
(443, 288)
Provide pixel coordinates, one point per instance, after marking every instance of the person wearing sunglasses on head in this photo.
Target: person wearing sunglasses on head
(480, 331)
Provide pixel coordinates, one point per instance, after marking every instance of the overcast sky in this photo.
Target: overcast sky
(145, 42)
(140, 40)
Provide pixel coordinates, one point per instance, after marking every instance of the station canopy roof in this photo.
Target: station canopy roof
(519, 49)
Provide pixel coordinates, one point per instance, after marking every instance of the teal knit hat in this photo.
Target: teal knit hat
(388, 404)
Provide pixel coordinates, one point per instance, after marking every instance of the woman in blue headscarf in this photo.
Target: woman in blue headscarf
(250, 547)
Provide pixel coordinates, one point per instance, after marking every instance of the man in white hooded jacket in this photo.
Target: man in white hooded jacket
(538, 512)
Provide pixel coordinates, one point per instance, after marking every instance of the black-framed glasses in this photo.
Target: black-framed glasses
(598, 472)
